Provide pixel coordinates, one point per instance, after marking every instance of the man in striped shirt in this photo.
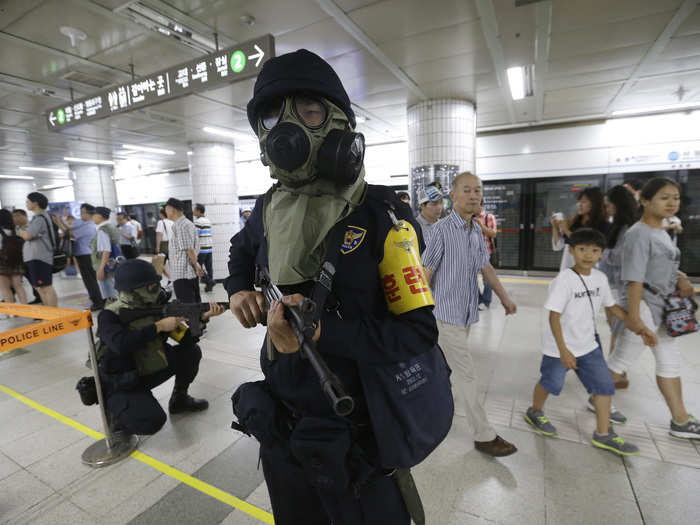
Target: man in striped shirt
(455, 254)
(205, 245)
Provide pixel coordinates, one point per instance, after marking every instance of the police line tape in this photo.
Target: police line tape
(56, 322)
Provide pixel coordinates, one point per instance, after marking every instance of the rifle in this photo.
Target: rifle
(191, 311)
(300, 317)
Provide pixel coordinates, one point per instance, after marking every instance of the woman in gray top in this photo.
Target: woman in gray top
(621, 206)
(650, 273)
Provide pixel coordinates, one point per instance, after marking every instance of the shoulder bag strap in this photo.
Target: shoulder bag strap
(48, 226)
(324, 283)
(588, 294)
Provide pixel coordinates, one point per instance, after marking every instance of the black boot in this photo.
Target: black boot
(181, 401)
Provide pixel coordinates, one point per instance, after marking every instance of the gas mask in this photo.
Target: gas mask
(143, 297)
(305, 138)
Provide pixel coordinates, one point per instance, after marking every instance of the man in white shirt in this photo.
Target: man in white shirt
(127, 236)
(206, 249)
(139, 229)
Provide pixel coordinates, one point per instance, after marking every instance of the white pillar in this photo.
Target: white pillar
(441, 142)
(95, 185)
(13, 193)
(213, 171)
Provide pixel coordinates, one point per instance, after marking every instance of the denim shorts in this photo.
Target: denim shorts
(592, 371)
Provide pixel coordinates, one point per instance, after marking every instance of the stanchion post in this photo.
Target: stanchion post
(109, 439)
(108, 450)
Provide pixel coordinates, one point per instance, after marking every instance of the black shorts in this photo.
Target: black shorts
(39, 273)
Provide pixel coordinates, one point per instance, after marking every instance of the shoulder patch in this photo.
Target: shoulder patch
(353, 237)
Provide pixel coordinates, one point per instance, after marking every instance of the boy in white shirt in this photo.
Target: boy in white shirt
(572, 343)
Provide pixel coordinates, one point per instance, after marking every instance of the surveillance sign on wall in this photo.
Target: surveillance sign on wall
(227, 66)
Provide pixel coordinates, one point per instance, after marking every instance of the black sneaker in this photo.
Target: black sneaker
(186, 403)
(35, 301)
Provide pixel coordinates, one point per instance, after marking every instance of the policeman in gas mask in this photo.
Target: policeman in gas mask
(321, 467)
(137, 356)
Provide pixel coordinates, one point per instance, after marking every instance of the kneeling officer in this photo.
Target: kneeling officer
(135, 357)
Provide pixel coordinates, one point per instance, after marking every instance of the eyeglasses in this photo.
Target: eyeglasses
(311, 111)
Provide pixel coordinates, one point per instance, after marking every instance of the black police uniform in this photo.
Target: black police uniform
(130, 405)
(362, 330)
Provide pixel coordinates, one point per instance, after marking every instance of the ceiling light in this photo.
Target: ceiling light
(656, 109)
(226, 132)
(147, 149)
(89, 161)
(520, 81)
(16, 177)
(56, 186)
(360, 119)
(50, 170)
(189, 153)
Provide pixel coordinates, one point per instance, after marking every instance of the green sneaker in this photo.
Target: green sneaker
(539, 422)
(614, 444)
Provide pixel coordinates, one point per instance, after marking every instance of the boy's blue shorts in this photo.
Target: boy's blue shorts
(592, 371)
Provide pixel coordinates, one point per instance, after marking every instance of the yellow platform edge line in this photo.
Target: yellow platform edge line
(174, 473)
(543, 281)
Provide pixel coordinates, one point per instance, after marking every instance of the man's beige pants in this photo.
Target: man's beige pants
(453, 341)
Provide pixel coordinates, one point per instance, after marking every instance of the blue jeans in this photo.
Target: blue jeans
(591, 370)
(485, 296)
(107, 286)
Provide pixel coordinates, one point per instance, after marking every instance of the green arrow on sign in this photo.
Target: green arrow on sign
(238, 61)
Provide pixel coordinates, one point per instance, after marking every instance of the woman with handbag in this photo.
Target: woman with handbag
(11, 267)
(650, 275)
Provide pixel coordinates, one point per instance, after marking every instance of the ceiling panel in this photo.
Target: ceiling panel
(466, 65)
(585, 63)
(668, 84)
(385, 98)
(583, 93)
(367, 86)
(588, 79)
(397, 19)
(13, 11)
(102, 32)
(148, 53)
(681, 47)
(271, 16)
(572, 108)
(585, 41)
(691, 25)
(356, 64)
(439, 43)
(325, 38)
(21, 61)
(691, 63)
(576, 14)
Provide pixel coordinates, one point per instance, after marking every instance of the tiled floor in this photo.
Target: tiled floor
(552, 481)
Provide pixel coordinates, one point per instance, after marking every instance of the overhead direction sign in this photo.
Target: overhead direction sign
(227, 66)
